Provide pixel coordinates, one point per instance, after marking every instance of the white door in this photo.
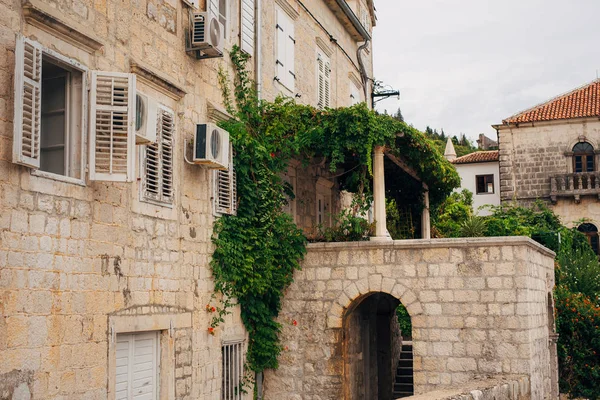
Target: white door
(137, 366)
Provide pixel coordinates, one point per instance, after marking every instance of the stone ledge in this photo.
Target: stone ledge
(509, 388)
(434, 243)
(44, 17)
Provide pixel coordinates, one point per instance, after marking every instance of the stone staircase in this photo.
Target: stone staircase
(403, 384)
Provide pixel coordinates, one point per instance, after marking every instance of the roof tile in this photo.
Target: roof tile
(579, 103)
(477, 157)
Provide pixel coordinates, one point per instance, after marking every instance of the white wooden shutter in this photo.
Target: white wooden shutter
(248, 26)
(323, 81)
(290, 50)
(137, 366)
(158, 162)
(327, 85)
(112, 126)
(226, 189)
(28, 99)
(280, 57)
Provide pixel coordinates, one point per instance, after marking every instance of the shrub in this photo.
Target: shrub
(473, 227)
(578, 326)
(347, 227)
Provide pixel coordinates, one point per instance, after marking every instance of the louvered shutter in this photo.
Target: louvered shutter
(320, 81)
(226, 189)
(327, 85)
(112, 126)
(137, 366)
(158, 163)
(28, 98)
(280, 58)
(248, 26)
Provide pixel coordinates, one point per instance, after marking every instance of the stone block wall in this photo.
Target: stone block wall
(529, 155)
(478, 308)
(73, 257)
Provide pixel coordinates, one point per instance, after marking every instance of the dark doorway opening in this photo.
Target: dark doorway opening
(373, 350)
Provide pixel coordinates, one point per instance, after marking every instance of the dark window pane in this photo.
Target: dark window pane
(590, 164)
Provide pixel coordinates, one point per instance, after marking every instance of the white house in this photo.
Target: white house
(479, 173)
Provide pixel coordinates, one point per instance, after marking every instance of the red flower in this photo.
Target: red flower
(213, 309)
(294, 322)
(211, 330)
(286, 348)
(272, 155)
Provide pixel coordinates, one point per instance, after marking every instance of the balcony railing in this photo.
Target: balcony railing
(575, 185)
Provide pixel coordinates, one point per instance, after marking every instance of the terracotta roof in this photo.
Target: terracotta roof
(579, 103)
(477, 157)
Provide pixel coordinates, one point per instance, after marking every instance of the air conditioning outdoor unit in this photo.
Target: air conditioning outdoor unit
(146, 119)
(211, 146)
(207, 34)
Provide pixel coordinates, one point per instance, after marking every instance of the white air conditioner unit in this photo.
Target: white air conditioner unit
(211, 146)
(146, 119)
(207, 34)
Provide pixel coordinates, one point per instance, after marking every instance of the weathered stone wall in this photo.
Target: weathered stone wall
(478, 308)
(529, 155)
(309, 37)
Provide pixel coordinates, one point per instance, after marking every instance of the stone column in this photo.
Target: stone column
(425, 218)
(379, 195)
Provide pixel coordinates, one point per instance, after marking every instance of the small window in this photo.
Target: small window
(485, 184)
(583, 157)
(233, 371)
(591, 232)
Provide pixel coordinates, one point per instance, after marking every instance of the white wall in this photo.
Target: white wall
(468, 172)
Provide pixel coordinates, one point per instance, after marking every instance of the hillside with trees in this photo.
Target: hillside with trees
(462, 144)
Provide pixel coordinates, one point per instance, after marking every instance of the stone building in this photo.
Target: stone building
(105, 242)
(550, 152)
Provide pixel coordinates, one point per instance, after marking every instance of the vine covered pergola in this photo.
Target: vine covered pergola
(258, 249)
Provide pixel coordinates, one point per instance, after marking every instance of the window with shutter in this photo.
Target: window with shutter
(137, 366)
(28, 89)
(323, 81)
(285, 57)
(158, 160)
(226, 189)
(248, 26)
(48, 115)
(112, 126)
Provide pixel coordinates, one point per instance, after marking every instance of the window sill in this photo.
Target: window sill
(58, 178)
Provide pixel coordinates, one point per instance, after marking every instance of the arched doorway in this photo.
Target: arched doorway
(591, 233)
(373, 350)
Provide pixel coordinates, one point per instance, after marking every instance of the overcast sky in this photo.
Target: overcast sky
(464, 65)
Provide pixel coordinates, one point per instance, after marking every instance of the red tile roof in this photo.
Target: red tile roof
(477, 157)
(579, 103)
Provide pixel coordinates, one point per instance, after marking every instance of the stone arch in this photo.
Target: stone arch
(365, 287)
(581, 139)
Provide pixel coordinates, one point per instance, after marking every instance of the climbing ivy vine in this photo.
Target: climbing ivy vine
(258, 249)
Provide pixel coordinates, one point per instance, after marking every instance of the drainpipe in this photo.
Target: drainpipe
(257, 48)
(363, 72)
